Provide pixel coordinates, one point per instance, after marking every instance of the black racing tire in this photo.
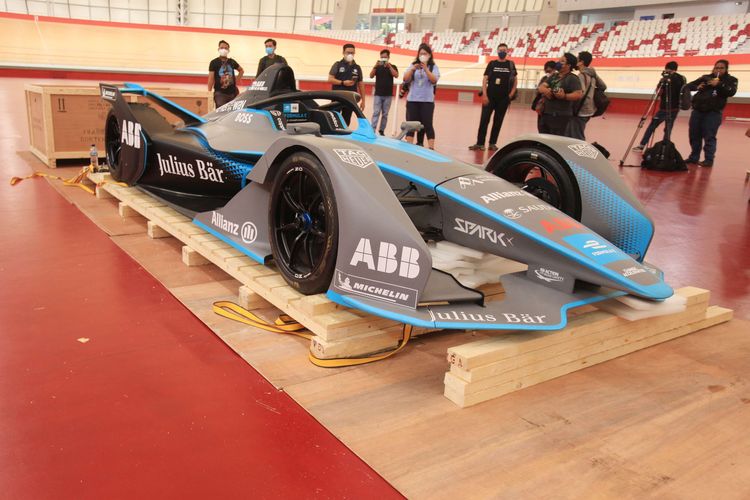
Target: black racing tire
(303, 222)
(113, 146)
(540, 173)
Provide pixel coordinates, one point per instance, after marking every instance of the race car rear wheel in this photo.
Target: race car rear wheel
(537, 172)
(113, 146)
(304, 223)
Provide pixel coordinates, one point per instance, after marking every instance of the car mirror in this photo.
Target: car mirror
(407, 127)
(304, 129)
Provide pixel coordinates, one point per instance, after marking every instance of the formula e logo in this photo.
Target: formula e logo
(291, 107)
(131, 134)
(549, 275)
(585, 150)
(407, 265)
(354, 157)
(482, 232)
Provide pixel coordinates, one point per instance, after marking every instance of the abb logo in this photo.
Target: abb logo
(131, 134)
(406, 264)
(559, 224)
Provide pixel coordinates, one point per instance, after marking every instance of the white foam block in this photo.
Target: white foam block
(643, 308)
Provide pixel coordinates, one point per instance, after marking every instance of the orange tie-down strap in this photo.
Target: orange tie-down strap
(75, 181)
(286, 324)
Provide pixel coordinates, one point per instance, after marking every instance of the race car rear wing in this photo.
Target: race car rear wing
(111, 93)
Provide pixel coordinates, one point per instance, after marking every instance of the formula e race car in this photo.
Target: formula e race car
(279, 175)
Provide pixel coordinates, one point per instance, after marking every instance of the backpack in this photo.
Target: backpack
(663, 156)
(686, 98)
(601, 102)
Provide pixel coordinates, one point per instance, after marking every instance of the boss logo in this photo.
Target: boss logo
(386, 260)
(246, 118)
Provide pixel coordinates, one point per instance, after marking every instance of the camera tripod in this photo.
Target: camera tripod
(664, 85)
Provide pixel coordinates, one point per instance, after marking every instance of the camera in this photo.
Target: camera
(404, 90)
(665, 73)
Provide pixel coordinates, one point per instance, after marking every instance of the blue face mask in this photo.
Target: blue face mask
(269, 50)
(558, 66)
(501, 54)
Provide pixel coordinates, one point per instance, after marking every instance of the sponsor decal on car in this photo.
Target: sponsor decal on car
(464, 182)
(501, 195)
(131, 134)
(277, 119)
(596, 249)
(258, 86)
(514, 318)
(406, 265)
(559, 224)
(482, 232)
(632, 271)
(108, 93)
(247, 232)
(291, 107)
(517, 213)
(231, 106)
(354, 157)
(377, 290)
(584, 149)
(549, 275)
(203, 170)
(246, 118)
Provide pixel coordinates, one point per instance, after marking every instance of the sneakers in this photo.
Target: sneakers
(492, 147)
(691, 161)
(706, 163)
(476, 147)
(381, 132)
(638, 148)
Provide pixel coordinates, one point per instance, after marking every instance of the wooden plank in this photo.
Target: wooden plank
(456, 387)
(155, 231)
(102, 193)
(126, 210)
(251, 300)
(191, 257)
(357, 345)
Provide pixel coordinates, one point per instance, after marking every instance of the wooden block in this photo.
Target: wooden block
(155, 231)
(251, 300)
(126, 210)
(456, 388)
(317, 304)
(190, 257)
(102, 194)
(363, 344)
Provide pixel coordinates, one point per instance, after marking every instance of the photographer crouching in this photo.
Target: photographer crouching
(670, 88)
(708, 104)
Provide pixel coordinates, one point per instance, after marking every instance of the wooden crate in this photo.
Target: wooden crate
(64, 121)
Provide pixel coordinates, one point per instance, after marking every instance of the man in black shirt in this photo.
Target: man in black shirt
(670, 87)
(270, 58)
(221, 77)
(384, 72)
(498, 88)
(347, 75)
(560, 91)
(708, 106)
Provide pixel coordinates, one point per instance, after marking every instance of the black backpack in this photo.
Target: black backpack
(601, 102)
(663, 156)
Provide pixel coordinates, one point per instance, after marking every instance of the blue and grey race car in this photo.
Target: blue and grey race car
(279, 175)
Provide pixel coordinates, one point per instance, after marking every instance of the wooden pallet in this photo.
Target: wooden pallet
(490, 368)
(339, 331)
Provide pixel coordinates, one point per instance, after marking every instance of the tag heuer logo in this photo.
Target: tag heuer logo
(355, 157)
(585, 150)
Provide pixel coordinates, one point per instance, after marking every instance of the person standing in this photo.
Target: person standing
(346, 74)
(538, 103)
(585, 108)
(560, 92)
(270, 58)
(708, 105)
(384, 72)
(221, 77)
(670, 90)
(498, 88)
(422, 76)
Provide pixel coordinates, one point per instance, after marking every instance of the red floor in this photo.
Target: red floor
(157, 405)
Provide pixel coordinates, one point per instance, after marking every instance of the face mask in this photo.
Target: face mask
(384, 60)
(223, 52)
(269, 50)
(349, 57)
(558, 66)
(501, 54)
(423, 59)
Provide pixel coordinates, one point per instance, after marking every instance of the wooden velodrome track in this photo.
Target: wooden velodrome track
(113, 47)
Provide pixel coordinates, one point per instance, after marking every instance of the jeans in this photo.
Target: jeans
(499, 107)
(555, 124)
(381, 104)
(702, 132)
(657, 120)
(423, 113)
(221, 98)
(577, 127)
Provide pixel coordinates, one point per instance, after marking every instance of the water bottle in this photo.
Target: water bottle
(94, 157)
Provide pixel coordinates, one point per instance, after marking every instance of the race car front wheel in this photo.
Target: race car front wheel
(538, 172)
(113, 146)
(304, 223)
